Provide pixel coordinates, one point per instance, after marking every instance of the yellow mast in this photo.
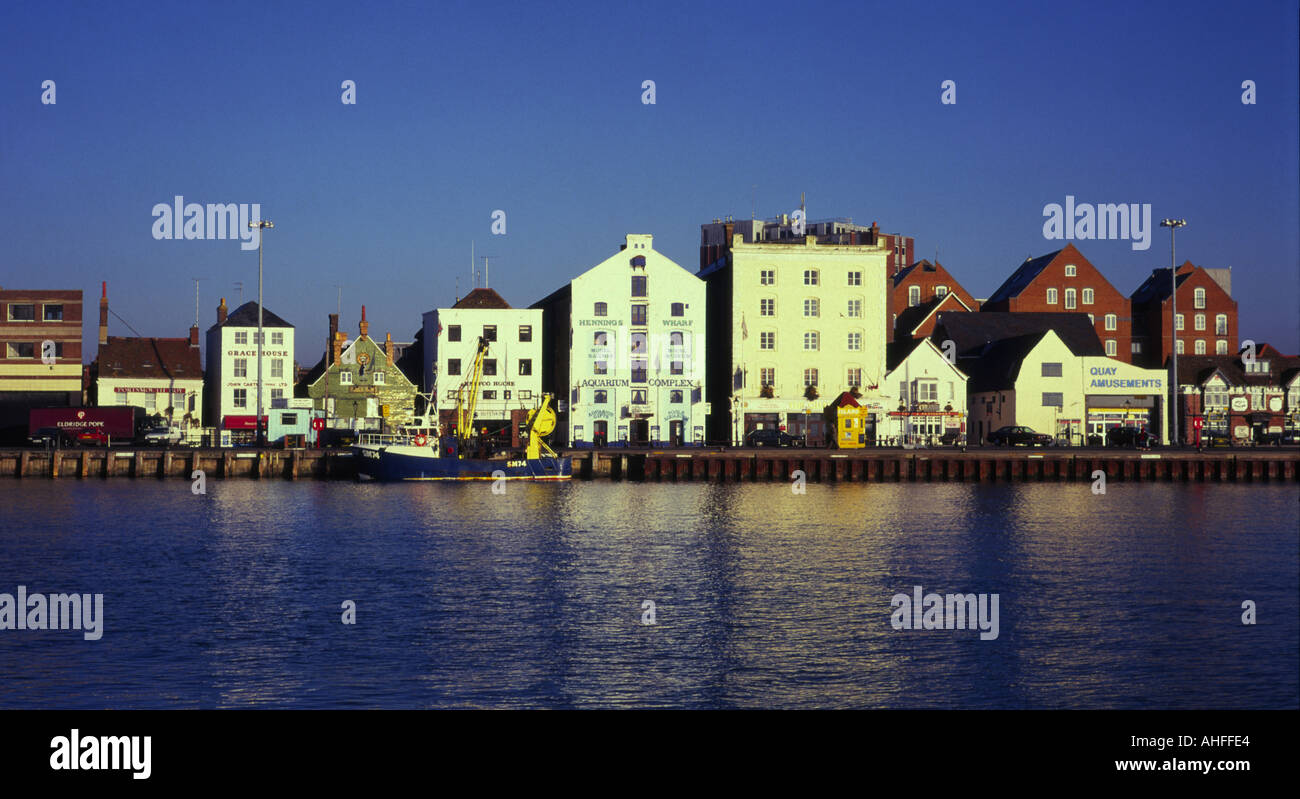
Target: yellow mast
(465, 405)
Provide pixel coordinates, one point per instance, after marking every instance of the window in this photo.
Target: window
(289, 419)
(58, 348)
(767, 340)
(380, 378)
(345, 377)
(854, 376)
(277, 368)
(913, 296)
(1220, 347)
(812, 307)
(941, 291)
(241, 398)
(638, 314)
(638, 285)
(525, 394)
(677, 339)
(277, 337)
(675, 367)
(525, 366)
(855, 340)
(525, 332)
(1053, 399)
(489, 394)
(277, 393)
(1070, 303)
(21, 350)
(601, 309)
(639, 369)
(1198, 299)
(1087, 296)
(241, 336)
(766, 376)
(810, 277)
(1070, 270)
(1200, 346)
(1137, 348)
(855, 278)
(453, 366)
(452, 395)
(767, 277)
(600, 367)
(453, 332)
(489, 332)
(600, 396)
(675, 396)
(811, 341)
(1112, 321)
(1111, 347)
(53, 313)
(767, 307)
(638, 396)
(809, 377)
(1221, 325)
(1178, 321)
(489, 367)
(855, 308)
(678, 309)
(1051, 296)
(1051, 370)
(241, 367)
(601, 338)
(1178, 346)
(638, 343)
(927, 390)
(22, 313)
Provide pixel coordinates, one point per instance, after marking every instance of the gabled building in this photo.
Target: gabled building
(923, 395)
(1207, 315)
(1247, 400)
(357, 383)
(512, 368)
(624, 351)
(1065, 280)
(791, 319)
(918, 294)
(231, 373)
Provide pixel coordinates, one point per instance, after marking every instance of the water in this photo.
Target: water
(763, 598)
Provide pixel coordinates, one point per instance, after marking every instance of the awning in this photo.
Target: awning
(242, 422)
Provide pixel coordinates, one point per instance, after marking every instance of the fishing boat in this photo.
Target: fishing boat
(421, 451)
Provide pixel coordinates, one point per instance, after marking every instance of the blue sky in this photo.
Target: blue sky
(535, 109)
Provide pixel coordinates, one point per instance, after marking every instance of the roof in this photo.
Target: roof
(912, 318)
(974, 332)
(897, 351)
(246, 316)
(1156, 287)
(1022, 277)
(481, 298)
(1196, 369)
(846, 400)
(999, 366)
(163, 358)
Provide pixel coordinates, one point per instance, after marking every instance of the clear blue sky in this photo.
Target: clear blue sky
(535, 109)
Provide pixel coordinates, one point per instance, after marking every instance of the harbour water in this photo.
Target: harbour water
(762, 597)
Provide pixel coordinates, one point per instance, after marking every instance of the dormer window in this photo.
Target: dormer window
(1070, 270)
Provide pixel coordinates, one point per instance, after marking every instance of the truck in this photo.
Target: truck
(88, 426)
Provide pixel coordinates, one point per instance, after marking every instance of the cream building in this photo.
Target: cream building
(923, 397)
(231, 376)
(625, 349)
(793, 322)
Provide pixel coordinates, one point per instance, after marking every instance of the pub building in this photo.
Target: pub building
(1248, 400)
(231, 377)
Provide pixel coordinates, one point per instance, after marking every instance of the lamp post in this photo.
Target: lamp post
(260, 226)
(1173, 225)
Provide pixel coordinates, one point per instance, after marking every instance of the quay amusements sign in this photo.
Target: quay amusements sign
(1108, 377)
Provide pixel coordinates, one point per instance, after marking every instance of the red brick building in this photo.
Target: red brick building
(1066, 281)
(34, 374)
(1207, 323)
(918, 294)
(1246, 401)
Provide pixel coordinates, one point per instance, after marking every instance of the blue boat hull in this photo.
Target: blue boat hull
(424, 463)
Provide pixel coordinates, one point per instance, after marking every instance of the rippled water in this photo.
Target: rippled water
(763, 597)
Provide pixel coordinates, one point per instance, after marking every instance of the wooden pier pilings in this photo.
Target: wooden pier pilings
(715, 465)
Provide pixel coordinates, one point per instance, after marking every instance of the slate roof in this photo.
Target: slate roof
(897, 351)
(999, 366)
(974, 332)
(1196, 369)
(1156, 287)
(1022, 277)
(164, 358)
(482, 298)
(246, 316)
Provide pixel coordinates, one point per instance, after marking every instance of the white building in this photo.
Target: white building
(161, 375)
(923, 395)
(512, 368)
(232, 366)
(625, 350)
(794, 321)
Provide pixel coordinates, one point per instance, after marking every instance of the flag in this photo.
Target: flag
(744, 329)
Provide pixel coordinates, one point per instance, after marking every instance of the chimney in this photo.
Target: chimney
(364, 326)
(103, 313)
(221, 312)
(194, 336)
(388, 347)
(336, 349)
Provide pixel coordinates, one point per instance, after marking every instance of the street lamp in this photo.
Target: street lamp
(260, 226)
(1173, 225)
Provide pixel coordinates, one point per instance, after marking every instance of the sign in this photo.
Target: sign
(1239, 403)
(318, 424)
(148, 390)
(1275, 403)
(1198, 423)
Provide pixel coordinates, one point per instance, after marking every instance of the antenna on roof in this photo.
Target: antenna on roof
(196, 298)
(240, 286)
(485, 268)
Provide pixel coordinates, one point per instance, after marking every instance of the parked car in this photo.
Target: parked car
(161, 435)
(48, 437)
(92, 437)
(950, 438)
(1215, 438)
(1129, 437)
(1015, 435)
(771, 437)
(1284, 438)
